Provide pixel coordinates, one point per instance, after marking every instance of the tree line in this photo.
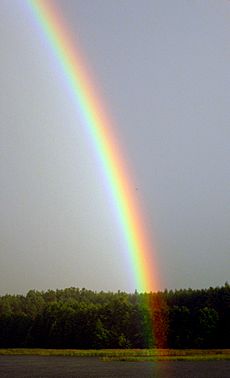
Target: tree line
(83, 319)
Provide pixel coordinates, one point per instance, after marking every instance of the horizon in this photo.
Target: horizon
(225, 284)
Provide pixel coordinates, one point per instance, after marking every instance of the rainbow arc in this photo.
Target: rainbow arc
(100, 128)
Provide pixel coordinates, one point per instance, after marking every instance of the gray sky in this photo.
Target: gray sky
(163, 70)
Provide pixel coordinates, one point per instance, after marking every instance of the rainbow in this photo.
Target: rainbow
(99, 127)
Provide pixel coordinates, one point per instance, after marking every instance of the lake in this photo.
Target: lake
(81, 367)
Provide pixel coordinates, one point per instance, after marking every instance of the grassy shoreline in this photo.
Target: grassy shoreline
(127, 354)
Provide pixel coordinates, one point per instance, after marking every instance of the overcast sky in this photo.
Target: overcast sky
(162, 68)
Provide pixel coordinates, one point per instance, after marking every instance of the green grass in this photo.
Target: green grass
(128, 354)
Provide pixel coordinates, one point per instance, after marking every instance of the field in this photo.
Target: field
(128, 354)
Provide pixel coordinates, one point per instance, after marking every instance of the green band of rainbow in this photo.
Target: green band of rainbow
(139, 247)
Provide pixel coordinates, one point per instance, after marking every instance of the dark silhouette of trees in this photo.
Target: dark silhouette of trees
(80, 318)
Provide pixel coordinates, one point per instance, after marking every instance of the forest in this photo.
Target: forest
(84, 319)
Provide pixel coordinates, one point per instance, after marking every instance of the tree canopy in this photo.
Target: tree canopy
(82, 319)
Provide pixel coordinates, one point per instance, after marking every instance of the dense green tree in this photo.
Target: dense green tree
(207, 329)
(180, 327)
(80, 318)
